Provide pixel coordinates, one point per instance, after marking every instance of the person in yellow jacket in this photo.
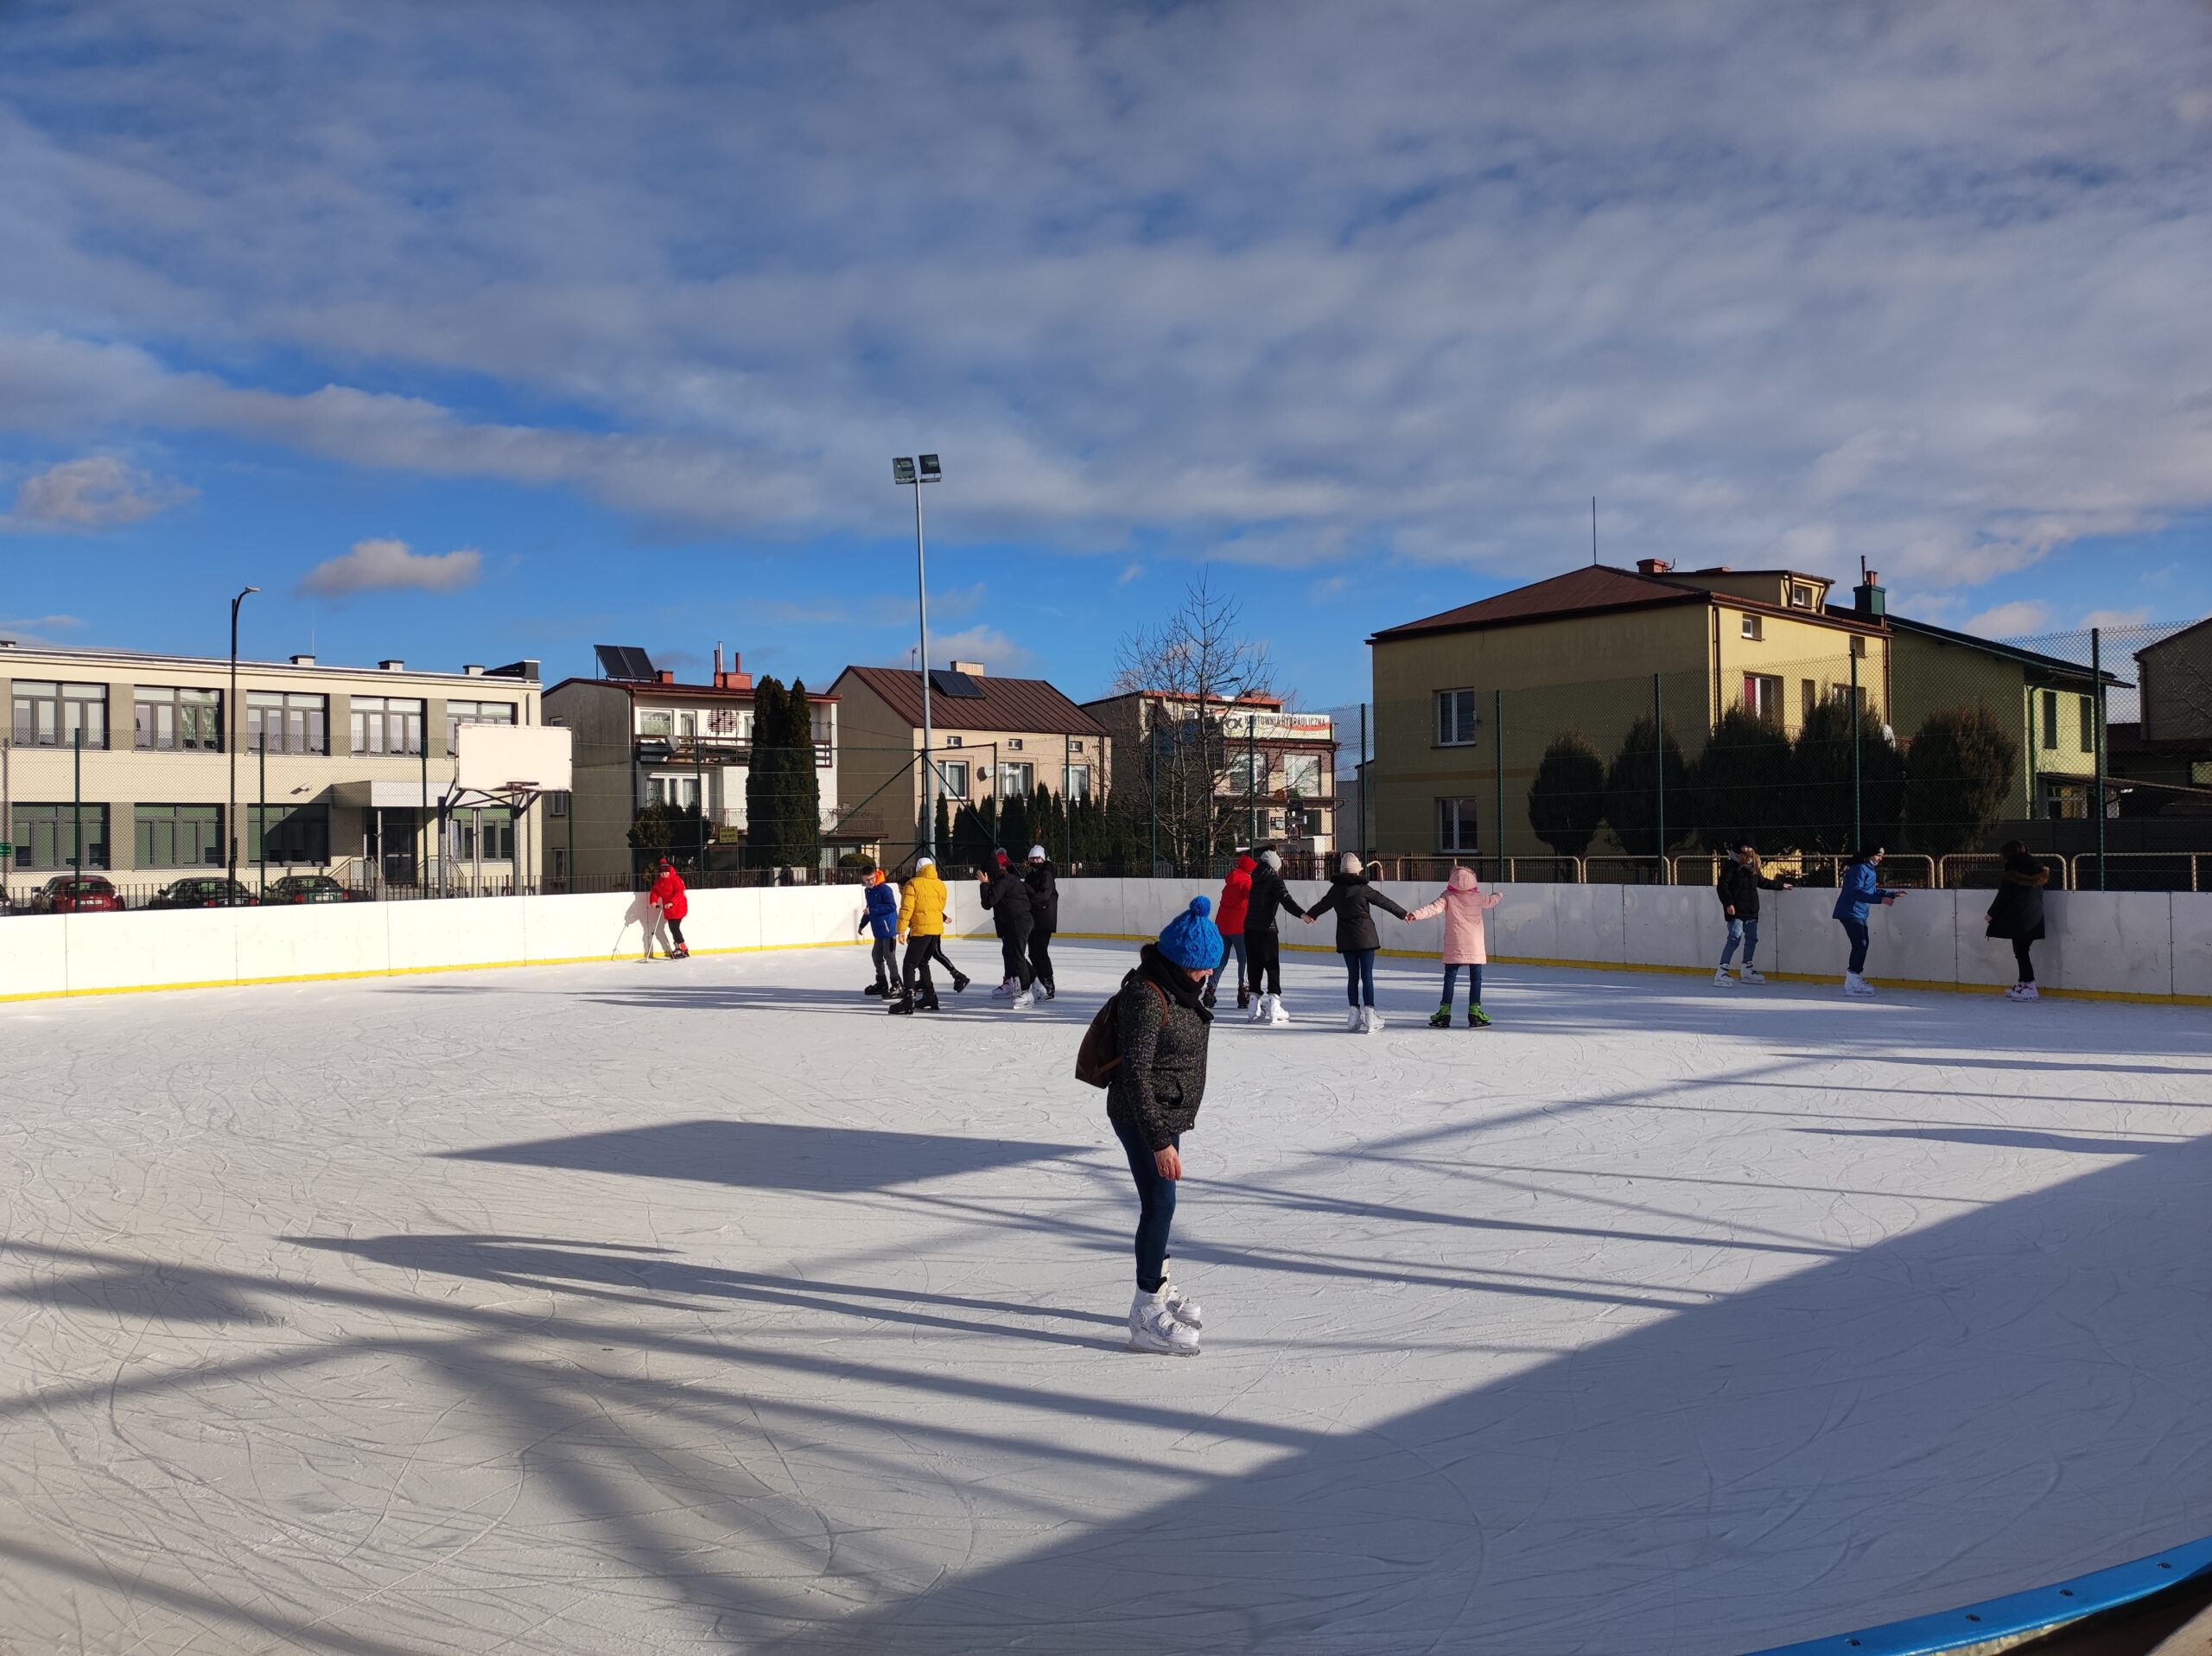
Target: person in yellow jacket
(921, 928)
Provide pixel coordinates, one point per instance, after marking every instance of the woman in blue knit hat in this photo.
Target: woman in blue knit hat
(1162, 1026)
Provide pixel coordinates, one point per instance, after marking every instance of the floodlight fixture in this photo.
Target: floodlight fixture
(932, 472)
(902, 470)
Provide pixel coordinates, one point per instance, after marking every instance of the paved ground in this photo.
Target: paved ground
(701, 1307)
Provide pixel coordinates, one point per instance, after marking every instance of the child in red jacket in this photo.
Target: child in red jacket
(670, 906)
(1236, 894)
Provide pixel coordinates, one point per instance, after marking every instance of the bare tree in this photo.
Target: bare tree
(1186, 677)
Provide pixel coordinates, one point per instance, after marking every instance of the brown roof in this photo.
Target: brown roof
(1596, 590)
(1005, 705)
(688, 692)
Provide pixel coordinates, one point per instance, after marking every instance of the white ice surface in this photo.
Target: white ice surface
(702, 1307)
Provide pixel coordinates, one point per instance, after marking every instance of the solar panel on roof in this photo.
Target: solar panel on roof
(624, 662)
(945, 682)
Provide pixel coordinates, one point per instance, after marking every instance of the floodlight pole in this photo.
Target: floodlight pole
(230, 736)
(914, 479)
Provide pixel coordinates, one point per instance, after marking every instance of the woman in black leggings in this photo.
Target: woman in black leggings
(2016, 913)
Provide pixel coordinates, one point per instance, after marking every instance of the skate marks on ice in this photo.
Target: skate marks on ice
(695, 1332)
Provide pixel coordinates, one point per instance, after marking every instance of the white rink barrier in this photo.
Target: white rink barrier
(2135, 946)
(2126, 945)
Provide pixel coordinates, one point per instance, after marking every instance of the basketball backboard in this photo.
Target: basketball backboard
(512, 759)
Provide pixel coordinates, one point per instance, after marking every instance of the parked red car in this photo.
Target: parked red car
(76, 894)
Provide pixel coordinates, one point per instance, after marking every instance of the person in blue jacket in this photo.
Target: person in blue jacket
(880, 917)
(1862, 888)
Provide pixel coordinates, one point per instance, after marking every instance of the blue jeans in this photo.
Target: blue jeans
(1474, 983)
(1742, 929)
(1856, 931)
(1359, 975)
(1232, 942)
(1155, 1207)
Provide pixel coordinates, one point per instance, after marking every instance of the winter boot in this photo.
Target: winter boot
(901, 1007)
(876, 989)
(1354, 1024)
(1153, 1326)
(1753, 975)
(1722, 979)
(1052, 992)
(1023, 1001)
(1180, 1306)
(1278, 1015)
(960, 982)
(930, 1005)
(1476, 1018)
(1243, 998)
(1441, 1017)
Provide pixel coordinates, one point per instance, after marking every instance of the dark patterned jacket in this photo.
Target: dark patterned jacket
(1163, 1029)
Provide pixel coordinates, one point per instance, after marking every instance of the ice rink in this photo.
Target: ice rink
(699, 1307)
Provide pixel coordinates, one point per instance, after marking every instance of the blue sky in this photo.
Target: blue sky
(474, 333)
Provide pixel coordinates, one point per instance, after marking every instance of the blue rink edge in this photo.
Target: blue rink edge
(2039, 1609)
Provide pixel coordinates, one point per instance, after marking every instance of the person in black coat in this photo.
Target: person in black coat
(1352, 899)
(2016, 912)
(1006, 894)
(1044, 917)
(1739, 886)
(1263, 943)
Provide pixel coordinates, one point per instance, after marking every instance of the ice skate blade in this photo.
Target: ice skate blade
(1140, 1347)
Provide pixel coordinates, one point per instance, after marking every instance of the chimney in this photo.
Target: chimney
(718, 661)
(1869, 598)
(304, 661)
(733, 678)
(666, 676)
(394, 665)
(474, 670)
(1652, 566)
(972, 669)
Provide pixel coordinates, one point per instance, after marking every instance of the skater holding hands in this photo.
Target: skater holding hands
(1463, 903)
(1266, 897)
(1739, 888)
(1352, 897)
(1862, 888)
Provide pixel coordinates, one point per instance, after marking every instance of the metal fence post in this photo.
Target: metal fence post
(1366, 783)
(1858, 815)
(261, 817)
(2097, 803)
(77, 799)
(1659, 772)
(1498, 750)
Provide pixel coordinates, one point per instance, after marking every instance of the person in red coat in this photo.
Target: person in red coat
(1236, 894)
(670, 906)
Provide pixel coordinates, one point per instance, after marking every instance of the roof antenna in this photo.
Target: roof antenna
(1593, 531)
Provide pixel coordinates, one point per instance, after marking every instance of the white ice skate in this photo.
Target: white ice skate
(1181, 1306)
(1023, 1001)
(1753, 975)
(1259, 1013)
(1354, 1024)
(1277, 1015)
(1005, 991)
(1153, 1328)
(1855, 984)
(2022, 992)
(1371, 1021)
(1722, 979)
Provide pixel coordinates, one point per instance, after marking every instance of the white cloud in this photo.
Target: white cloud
(2021, 618)
(32, 631)
(1268, 283)
(2110, 619)
(388, 566)
(1129, 572)
(98, 492)
(984, 644)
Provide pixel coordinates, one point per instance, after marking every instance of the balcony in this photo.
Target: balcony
(704, 753)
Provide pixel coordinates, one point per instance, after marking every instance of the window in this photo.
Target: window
(181, 721)
(1858, 647)
(179, 835)
(2088, 724)
(2050, 719)
(293, 834)
(1762, 696)
(292, 723)
(1016, 778)
(2200, 773)
(1247, 774)
(1456, 828)
(488, 832)
(723, 723)
(1075, 746)
(460, 713)
(1754, 626)
(1301, 775)
(952, 778)
(1455, 717)
(1312, 823)
(1800, 596)
(46, 835)
(1013, 744)
(657, 723)
(556, 804)
(682, 791)
(687, 725)
(51, 715)
(1076, 785)
(385, 724)
(952, 741)
(823, 722)
(1809, 697)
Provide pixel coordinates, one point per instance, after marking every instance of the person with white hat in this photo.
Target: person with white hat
(1044, 917)
(1263, 944)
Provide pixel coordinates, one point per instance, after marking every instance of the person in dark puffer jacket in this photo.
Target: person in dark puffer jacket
(1353, 898)
(1162, 1027)
(1262, 946)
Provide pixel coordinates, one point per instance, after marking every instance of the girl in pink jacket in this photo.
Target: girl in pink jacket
(1462, 903)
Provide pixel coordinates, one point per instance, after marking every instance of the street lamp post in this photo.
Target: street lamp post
(905, 473)
(231, 739)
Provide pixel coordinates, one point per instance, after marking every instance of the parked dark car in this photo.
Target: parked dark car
(306, 888)
(201, 892)
(76, 894)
